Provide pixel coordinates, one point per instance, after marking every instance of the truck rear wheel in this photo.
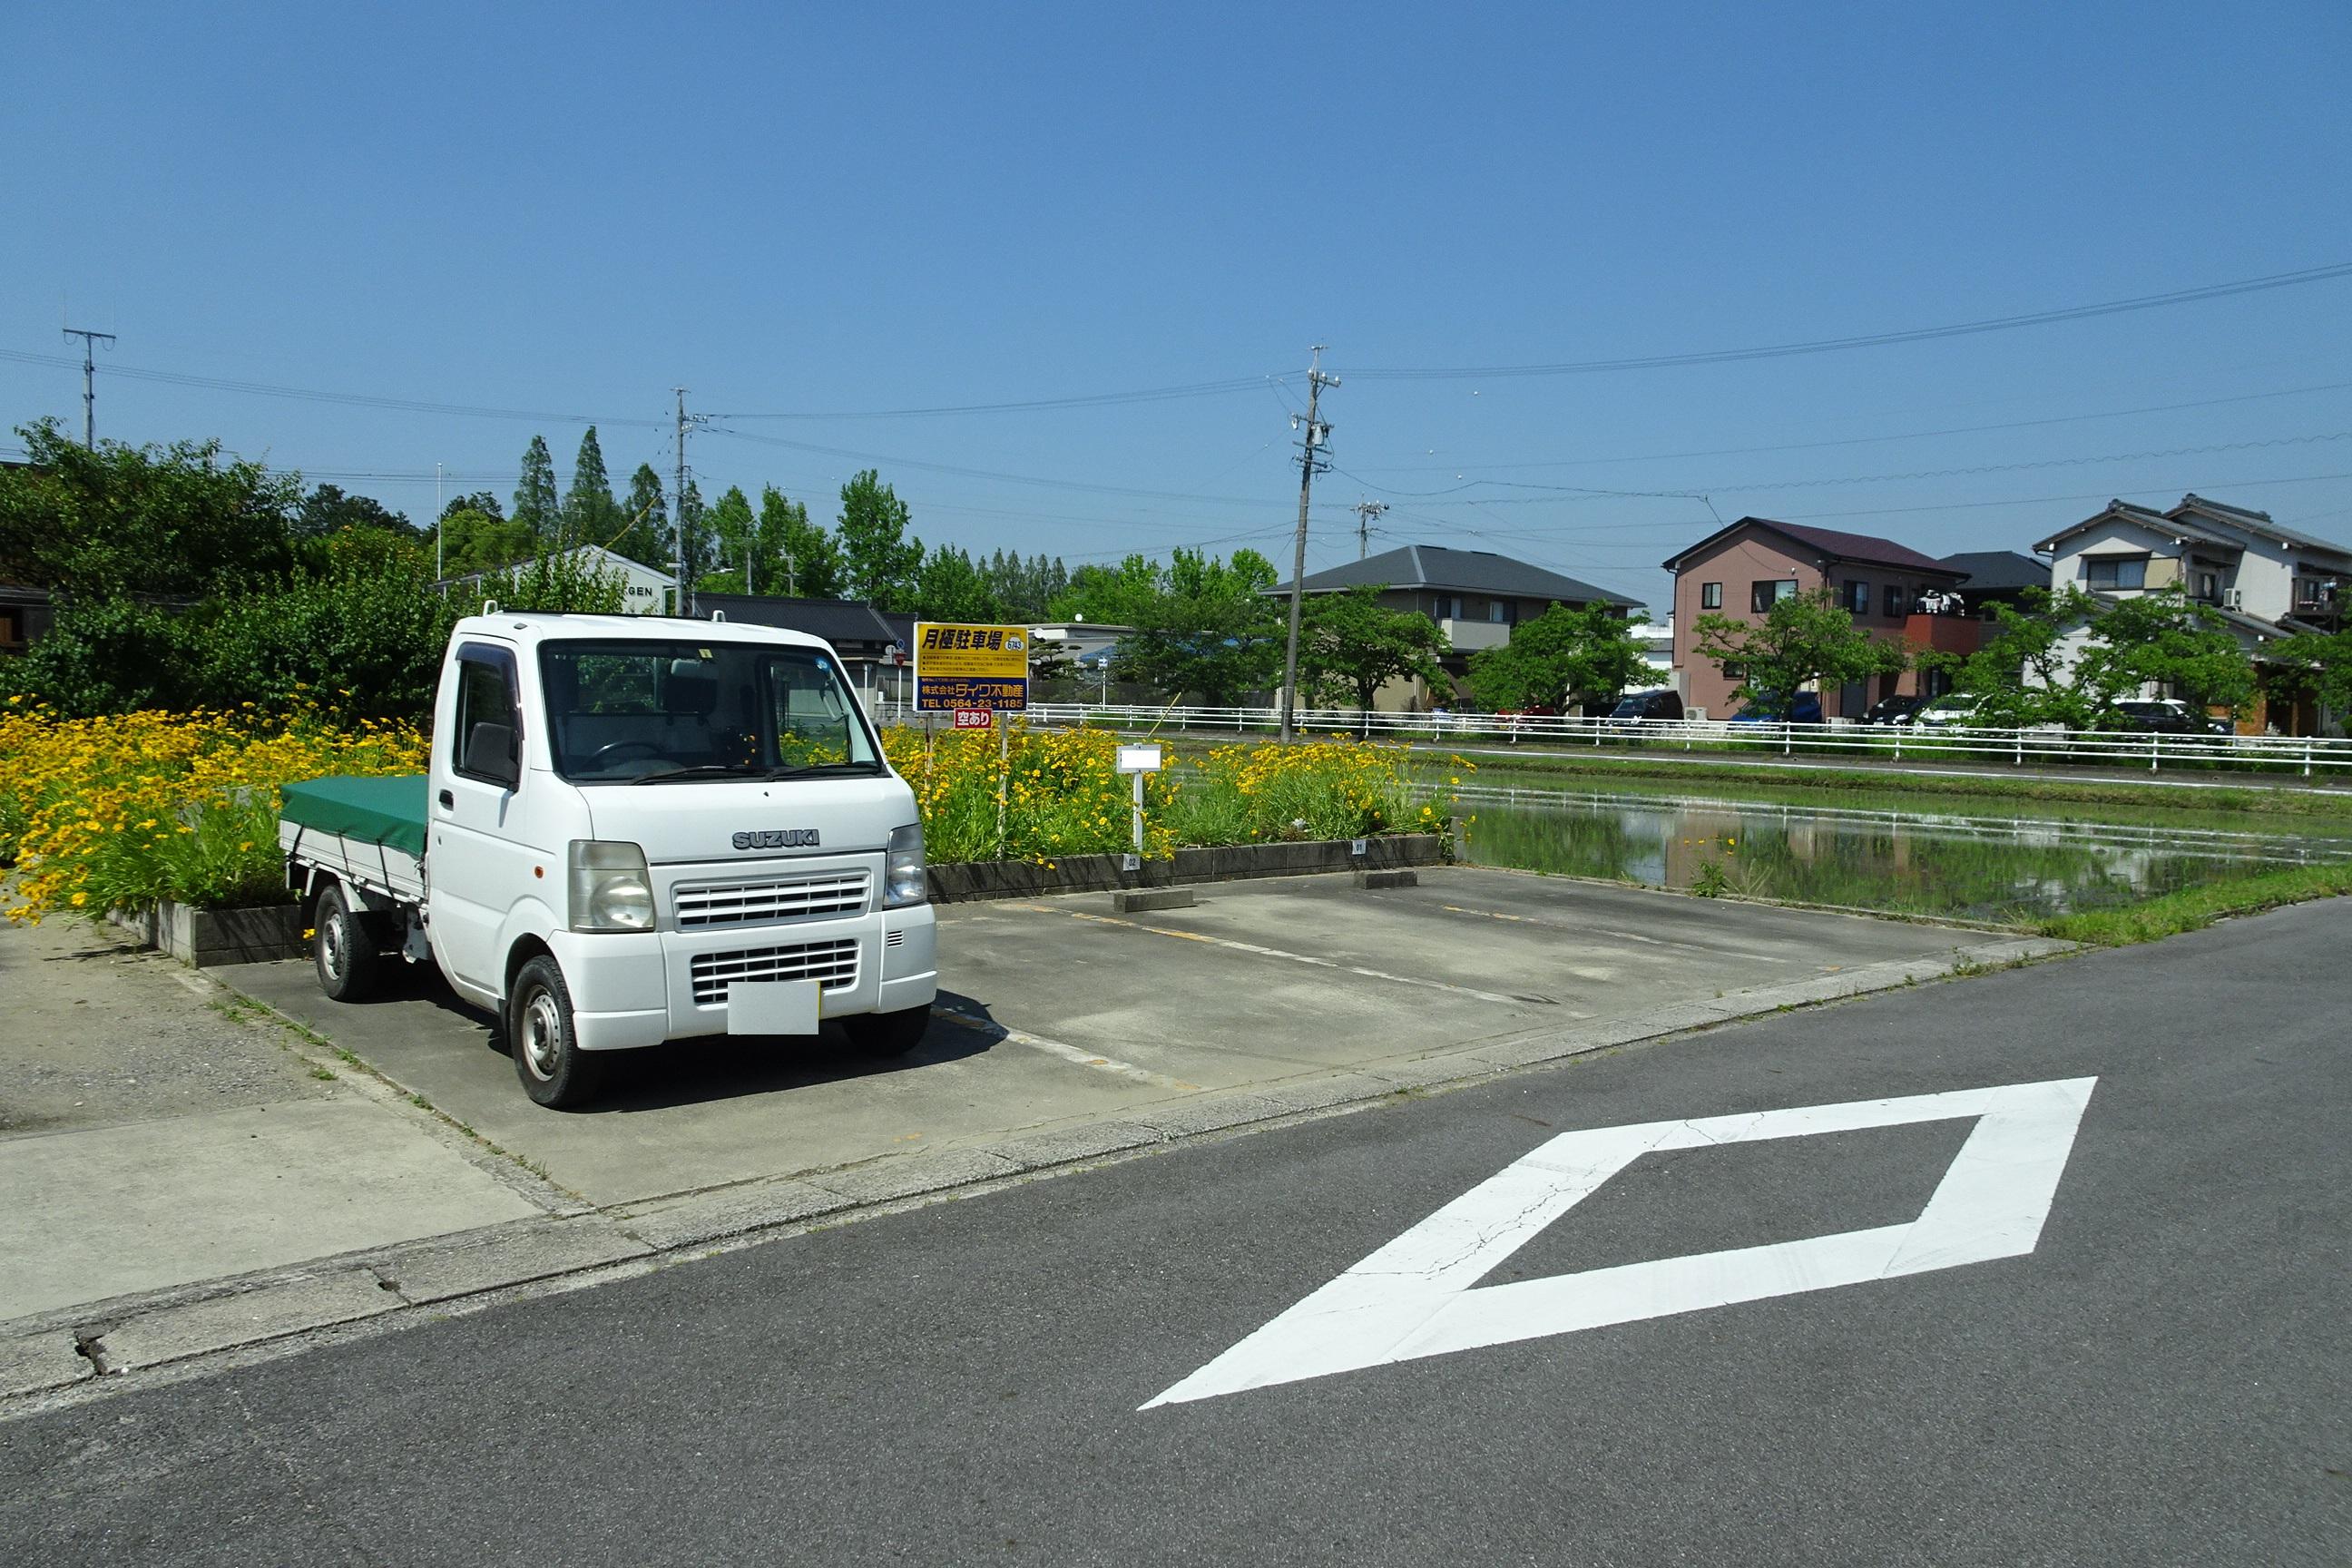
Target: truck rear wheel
(554, 1070)
(887, 1034)
(342, 948)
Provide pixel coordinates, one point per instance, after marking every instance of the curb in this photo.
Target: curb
(81, 1350)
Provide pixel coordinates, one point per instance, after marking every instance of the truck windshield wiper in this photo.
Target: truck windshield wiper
(701, 770)
(802, 770)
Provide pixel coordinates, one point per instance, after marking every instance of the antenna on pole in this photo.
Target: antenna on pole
(89, 389)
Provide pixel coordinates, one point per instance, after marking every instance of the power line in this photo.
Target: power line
(355, 399)
(880, 459)
(1870, 339)
(1033, 404)
(1868, 440)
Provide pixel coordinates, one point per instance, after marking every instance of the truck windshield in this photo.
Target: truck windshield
(642, 712)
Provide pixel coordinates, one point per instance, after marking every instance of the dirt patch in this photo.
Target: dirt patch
(95, 1032)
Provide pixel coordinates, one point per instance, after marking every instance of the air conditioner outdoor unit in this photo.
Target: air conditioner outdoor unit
(2233, 598)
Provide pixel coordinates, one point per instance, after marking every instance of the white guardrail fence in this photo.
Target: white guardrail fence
(2306, 755)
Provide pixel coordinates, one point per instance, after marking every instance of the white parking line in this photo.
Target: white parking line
(1606, 931)
(1084, 1058)
(1294, 957)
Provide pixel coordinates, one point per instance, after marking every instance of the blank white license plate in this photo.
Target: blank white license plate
(773, 1007)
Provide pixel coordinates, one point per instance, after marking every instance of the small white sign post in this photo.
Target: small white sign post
(1138, 761)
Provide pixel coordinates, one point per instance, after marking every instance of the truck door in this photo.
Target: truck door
(478, 862)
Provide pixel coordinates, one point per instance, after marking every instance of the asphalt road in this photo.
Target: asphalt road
(2151, 1374)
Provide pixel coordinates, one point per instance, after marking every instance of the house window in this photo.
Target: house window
(1710, 595)
(1897, 601)
(12, 631)
(1762, 596)
(1858, 598)
(1498, 612)
(2208, 587)
(2114, 571)
(1734, 673)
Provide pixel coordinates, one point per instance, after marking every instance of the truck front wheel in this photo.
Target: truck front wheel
(887, 1034)
(342, 947)
(547, 1055)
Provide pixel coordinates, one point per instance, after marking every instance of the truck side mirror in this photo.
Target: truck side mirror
(491, 754)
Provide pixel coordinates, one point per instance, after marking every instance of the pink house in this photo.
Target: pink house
(1741, 570)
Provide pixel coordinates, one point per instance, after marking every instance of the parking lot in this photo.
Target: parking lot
(1065, 1025)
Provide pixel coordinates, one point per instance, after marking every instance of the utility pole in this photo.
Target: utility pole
(1365, 512)
(685, 606)
(1311, 462)
(440, 524)
(88, 389)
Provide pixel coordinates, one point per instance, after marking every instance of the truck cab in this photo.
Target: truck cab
(641, 829)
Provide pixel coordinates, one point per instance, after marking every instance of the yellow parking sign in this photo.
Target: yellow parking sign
(971, 667)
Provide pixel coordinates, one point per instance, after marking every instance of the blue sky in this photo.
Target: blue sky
(817, 211)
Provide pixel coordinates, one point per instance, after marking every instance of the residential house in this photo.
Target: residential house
(1740, 571)
(25, 617)
(646, 590)
(2265, 582)
(1995, 577)
(1475, 596)
(873, 651)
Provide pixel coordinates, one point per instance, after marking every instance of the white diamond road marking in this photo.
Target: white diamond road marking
(1418, 1296)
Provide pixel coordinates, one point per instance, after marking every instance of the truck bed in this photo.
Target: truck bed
(369, 831)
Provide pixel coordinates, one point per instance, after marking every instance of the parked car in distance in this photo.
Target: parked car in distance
(1663, 703)
(1953, 711)
(2168, 716)
(1894, 710)
(1805, 710)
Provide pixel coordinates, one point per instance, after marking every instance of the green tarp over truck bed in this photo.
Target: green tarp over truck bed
(386, 811)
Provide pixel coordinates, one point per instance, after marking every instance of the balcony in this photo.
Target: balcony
(1469, 636)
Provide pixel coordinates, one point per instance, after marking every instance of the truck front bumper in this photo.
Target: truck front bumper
(639, 988)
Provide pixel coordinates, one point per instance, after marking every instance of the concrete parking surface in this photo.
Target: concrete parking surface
(1072, 1016)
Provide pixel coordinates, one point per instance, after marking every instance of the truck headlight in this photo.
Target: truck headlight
(611, 888)
(902, 869)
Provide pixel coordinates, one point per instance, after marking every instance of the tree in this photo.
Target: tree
(1116, 595)
(807, 559)
(1210, 630)
(1564, 658)
(2325, 658)
(735, 529)
(695, 546)
(950, 587)
(482, 502)
(535, 503)
(328, 510)
(2166, 639)
(156, 520)
(1351, 645)
(881, 562)
(2068, 657)
(645, 522)
(476, 541)
(1805, 639)
(590, 514)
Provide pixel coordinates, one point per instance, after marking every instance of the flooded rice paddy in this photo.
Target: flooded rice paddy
(1995, 860)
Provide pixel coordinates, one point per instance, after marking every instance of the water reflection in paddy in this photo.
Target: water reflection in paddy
(1998, 867)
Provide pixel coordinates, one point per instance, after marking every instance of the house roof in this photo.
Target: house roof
(838, 621)
(1827, 541)
(2189, 520)
(1995, 571)
(1456, 571)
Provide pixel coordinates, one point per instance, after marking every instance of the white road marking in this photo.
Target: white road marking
(1418, 1296)
(1084, 1058)
(1712, 952)
(1294, 957)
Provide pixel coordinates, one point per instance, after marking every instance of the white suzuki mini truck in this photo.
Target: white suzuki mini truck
(635, 829)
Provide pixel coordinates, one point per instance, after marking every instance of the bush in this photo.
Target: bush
(119, 813)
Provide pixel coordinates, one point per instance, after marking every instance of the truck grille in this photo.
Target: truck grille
(791, 898)
(831, 964)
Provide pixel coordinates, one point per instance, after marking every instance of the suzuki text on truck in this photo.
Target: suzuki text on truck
(635, 829)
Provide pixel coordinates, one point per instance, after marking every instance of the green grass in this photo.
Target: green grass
(2192, 909)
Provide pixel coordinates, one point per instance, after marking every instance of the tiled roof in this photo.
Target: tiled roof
(1990, 571)
(1831, 542)
(837, 621)
(1457, 570)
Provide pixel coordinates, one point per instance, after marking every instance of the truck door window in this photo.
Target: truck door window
(486, 695)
